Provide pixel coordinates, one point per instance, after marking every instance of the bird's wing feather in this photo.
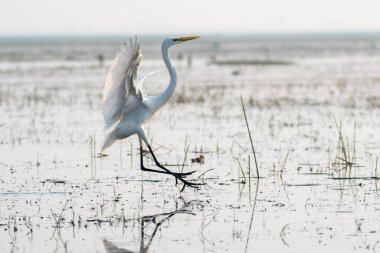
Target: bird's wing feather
(121, 81)
(141, 79)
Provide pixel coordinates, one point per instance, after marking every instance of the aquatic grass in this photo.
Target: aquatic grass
(374, 167)
(93, 155)
(242, 171)
(28, 224)
(184, 158)
(250, 138)
(283, 165)
(283, 233)
(58, 218)
(376, 175)
(249, 173)
(201, 176)
(252, 216)
(345, 157)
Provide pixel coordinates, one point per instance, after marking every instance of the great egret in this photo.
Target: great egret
(126, 109)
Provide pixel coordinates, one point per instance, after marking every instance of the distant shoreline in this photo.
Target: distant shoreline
(338, 35)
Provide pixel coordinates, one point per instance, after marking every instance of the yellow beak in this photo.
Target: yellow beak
(187, 38)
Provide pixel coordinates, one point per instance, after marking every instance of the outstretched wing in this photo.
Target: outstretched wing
(121, 81)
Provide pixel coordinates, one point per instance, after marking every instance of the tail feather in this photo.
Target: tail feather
(109, 139)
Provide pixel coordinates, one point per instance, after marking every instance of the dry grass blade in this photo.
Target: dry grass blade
(184, 159)
(283, 165)
(242, 171)
(250, 137)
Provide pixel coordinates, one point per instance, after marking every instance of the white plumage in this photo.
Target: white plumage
(121, 82)
(125, 109)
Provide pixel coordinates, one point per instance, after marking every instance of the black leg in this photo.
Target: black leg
(178, 176)
(166, 171)
(145, 168)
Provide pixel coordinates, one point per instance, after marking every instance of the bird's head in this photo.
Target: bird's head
(174, 41)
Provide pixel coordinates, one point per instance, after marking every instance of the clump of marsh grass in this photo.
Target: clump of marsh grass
(345, 158)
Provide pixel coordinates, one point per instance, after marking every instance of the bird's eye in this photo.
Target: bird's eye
(175, 39)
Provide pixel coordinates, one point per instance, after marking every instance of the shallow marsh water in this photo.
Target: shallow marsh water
(57, 196)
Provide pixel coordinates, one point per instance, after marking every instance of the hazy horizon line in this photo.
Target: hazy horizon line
(208, 34)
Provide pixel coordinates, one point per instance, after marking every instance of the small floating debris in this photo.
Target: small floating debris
(236, 72)
(54, 181)
(97, 221)
(100, 155)
(199, 159)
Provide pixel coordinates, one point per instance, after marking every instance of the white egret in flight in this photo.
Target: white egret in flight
(126, 109)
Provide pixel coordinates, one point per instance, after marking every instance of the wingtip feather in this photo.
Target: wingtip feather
(127, 59)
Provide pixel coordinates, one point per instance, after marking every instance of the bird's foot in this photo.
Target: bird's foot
(182, 175)
(177, 176)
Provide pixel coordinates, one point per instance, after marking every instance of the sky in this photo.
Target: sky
(113, 17)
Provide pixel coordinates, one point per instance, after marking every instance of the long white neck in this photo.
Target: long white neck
(164, 97)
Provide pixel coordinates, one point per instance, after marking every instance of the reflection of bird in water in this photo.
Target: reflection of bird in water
(145, 221)
(126, 109)
(112, 248)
